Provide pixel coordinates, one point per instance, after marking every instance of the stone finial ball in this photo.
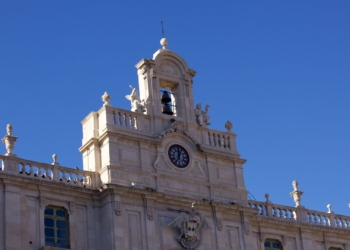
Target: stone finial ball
(164, 42)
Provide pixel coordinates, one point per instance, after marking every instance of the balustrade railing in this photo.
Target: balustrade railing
(286, 213)
(318, 218)
(48, 172)
(283, 212)
(219, 139)
(342, 221)
(125, 118)
(261, 206)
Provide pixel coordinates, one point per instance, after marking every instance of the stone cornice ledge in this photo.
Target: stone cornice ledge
(170, 199)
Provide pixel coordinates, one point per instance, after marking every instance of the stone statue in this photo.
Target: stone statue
(136, 103)
(9, 129)
(295, 185)
(202, 117)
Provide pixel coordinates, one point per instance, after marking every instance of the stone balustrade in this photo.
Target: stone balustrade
(318, 218)
(341, 221)
(283, 212)
(218, 139)
(48, 172)
(125, 118)
(301, 214)
(261, 206)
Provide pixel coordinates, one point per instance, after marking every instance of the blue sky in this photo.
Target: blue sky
(279, 70)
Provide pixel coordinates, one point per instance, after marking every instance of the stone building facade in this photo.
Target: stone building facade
(155, 177)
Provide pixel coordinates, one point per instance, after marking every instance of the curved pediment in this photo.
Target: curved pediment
(178, 127)
(170, 63)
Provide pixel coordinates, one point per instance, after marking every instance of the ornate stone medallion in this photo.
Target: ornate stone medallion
(191, 224)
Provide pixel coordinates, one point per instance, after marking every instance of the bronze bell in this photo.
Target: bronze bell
(165, 97)
(167, 109)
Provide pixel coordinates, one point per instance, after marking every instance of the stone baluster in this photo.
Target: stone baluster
(29, 170)
(52, 174)
(69, 177)
(133, 122)
(115, 118)
(36, 171)
(127, 120)
(43, 172)
(63, 178)
(209, 138)
(84, 180)
(122, 119)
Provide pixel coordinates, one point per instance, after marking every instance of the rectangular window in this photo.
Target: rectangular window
(56, 227)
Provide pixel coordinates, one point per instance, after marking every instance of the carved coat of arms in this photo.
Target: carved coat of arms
(191, 224)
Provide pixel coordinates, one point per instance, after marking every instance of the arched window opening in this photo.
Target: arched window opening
(56, 227)
(272, 244)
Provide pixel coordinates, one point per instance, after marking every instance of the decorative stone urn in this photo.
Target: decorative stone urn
(296, 194)
(106, 98)
(9, 140)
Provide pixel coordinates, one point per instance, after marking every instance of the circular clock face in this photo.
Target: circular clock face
(178, 156)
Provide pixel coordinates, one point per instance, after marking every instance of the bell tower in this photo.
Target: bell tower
(165, 84)
(164, 143)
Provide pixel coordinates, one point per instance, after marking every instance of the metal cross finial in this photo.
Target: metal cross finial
(161, 22)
